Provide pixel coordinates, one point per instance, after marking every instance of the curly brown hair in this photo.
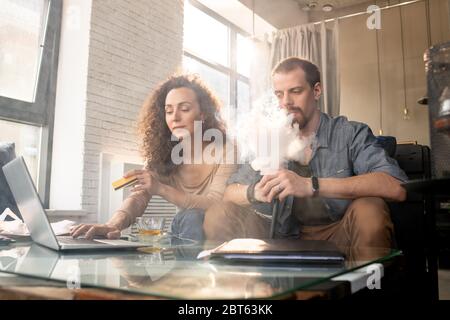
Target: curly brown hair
(156, 146)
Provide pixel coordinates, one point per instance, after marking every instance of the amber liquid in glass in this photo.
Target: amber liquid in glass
(151, 232)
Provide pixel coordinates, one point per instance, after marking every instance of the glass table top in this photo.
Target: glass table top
(170, 269)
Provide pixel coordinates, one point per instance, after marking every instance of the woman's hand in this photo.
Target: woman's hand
(146, 181)
(91, 230)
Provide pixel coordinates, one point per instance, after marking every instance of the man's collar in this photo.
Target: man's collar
(322, 133)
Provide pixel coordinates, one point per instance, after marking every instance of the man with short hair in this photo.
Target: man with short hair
(337, 194)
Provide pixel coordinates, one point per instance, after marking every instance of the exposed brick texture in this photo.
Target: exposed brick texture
(134, 44)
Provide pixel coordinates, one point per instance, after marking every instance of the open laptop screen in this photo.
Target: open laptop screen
(29, 203)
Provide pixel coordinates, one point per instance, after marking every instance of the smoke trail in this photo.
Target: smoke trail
(267, 137)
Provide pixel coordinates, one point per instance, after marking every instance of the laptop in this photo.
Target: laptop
(33, 213)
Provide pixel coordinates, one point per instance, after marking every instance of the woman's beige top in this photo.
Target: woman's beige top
(202, 187)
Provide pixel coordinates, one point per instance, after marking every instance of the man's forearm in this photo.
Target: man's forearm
(377, 184)
(236, 193)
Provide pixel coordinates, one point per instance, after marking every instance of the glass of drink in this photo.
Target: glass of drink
(150, 229)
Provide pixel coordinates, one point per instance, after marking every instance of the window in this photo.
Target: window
(205, 37)
(26, 138)
(216, 79)
(217, 50)
(29, 34)
(21, 30)
(244, 54)
(243, 94)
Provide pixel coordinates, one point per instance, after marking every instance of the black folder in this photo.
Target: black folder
(278, 251)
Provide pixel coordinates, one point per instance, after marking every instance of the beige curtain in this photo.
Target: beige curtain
(317, 43)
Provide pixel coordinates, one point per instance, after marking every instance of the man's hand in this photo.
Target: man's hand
(285, 183)
(259, 193)
(146, 181)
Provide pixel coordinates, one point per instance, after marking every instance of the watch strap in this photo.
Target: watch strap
(251, 193)
(315, 185)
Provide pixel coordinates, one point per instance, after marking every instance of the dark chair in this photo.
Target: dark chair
(7, 153)
(389, 144)
(415, 220)
(409, 219)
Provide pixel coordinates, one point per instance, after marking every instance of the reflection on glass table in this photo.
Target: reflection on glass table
(171, 270)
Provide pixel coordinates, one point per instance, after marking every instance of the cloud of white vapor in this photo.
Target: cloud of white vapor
(266, 136)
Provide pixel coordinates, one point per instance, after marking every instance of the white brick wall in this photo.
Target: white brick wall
(134, 44)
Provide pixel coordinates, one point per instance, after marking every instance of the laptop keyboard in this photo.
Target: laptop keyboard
(70, 240)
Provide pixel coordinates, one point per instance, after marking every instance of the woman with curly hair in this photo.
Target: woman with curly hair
(174, 109)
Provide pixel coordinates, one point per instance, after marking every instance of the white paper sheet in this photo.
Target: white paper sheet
(17, 227)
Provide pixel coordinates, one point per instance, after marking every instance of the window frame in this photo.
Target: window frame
(230, 71)
(41, 112)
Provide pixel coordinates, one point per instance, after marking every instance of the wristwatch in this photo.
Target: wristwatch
(251, 193)
(315, 185)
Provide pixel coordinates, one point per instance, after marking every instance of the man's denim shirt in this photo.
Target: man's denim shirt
(341, 149)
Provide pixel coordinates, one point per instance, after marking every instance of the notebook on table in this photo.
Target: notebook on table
(278, 251)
